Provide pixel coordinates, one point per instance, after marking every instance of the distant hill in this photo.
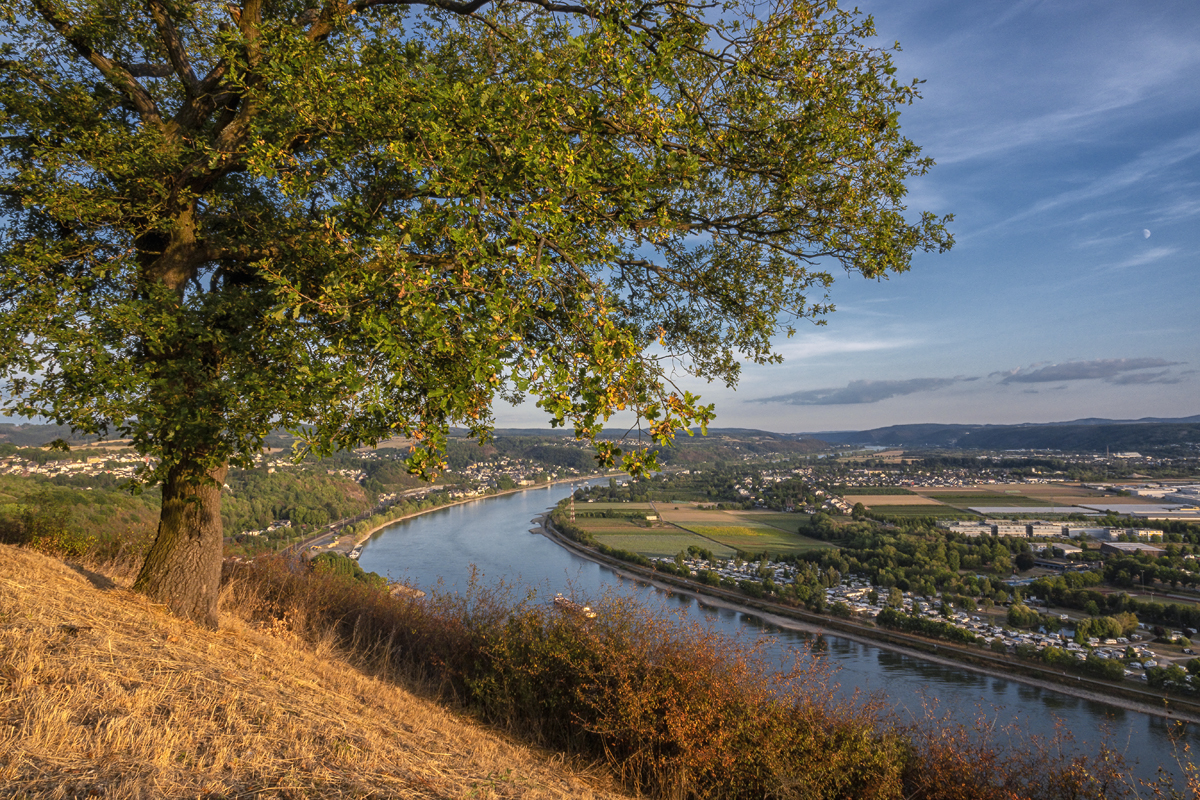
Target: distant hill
(1087, 435)
(30, 435)
(1081, 435)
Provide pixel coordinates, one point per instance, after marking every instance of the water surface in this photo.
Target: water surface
(490, 537)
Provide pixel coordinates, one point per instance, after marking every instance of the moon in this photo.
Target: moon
(1145, 233)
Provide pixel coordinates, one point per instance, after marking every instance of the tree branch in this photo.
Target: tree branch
(147, 70)
(114, 73)
(169, 36)
(336, 8)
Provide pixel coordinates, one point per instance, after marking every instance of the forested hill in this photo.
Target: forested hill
(1081, 435)
(31, 435)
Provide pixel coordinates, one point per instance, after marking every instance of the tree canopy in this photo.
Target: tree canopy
(372, 218)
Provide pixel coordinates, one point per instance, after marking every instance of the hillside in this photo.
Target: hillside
(104, 694)
(1083, 435)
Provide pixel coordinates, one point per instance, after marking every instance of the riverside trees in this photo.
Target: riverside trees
(372, 218)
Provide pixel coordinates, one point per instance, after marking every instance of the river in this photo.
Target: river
(439, 551)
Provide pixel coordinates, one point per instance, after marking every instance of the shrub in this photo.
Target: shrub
(340, 566)
(48, 527)
(752, 588)
(675, 711)
(891, 618)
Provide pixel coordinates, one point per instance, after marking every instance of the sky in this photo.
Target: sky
(1067, 142)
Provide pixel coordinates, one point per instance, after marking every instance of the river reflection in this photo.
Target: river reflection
(437, 551)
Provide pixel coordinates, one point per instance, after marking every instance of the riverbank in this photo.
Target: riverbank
(944, 654)
(361, 538)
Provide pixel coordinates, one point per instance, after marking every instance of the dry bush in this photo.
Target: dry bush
(981, 762)
(675, 711)
(296, 696)
(103, 694)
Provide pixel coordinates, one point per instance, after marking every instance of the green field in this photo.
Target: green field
(662, 542)
(604, 525)
(724, 535)
(582, 507)
(964, 500)
(759, 539)
(793, 523)
(921, 511)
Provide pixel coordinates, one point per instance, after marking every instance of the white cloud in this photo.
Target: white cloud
(1148, 257)
(820, 344)
(1138, 171)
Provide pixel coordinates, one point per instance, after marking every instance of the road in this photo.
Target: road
(334, 529)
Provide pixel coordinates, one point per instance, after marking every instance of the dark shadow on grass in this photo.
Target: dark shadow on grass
(102, 582)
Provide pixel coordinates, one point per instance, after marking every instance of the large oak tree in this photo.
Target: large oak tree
(372, 218)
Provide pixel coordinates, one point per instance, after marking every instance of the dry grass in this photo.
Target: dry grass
(103, 694)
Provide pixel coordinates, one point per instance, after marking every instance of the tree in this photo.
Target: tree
(1022, 616)
(372, 218)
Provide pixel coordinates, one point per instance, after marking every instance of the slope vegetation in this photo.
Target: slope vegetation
(104, 694)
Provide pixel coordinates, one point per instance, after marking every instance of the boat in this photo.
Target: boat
(568, 605)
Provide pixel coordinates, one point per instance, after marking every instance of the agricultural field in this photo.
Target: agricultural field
(581, 508)
(792, 523)
(876, 490)
(722, 532)
(662, 542)
(1073, 495)
(923, 511)
(964, 500)
(602, 525)
(682, 514)
(758, 539)
(873, 500)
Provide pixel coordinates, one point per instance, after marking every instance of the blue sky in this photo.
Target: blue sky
(1067, 136)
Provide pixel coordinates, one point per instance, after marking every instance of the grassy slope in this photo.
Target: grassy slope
(103, 693)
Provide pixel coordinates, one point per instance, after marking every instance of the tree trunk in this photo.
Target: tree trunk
(183, 567)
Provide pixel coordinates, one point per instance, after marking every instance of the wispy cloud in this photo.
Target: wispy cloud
(1137, 378)
(1113, 370)
(817, 345)
(857, 392)
(1100, 73)
(1147, 165)
(1148, 257)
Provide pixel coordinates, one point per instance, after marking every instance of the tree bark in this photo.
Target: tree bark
(183, 567)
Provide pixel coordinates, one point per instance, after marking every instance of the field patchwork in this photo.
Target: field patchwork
(963, 500)
(662, 542)
(792, 523)
(872, 500)
(921, 511)
(759, 538)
